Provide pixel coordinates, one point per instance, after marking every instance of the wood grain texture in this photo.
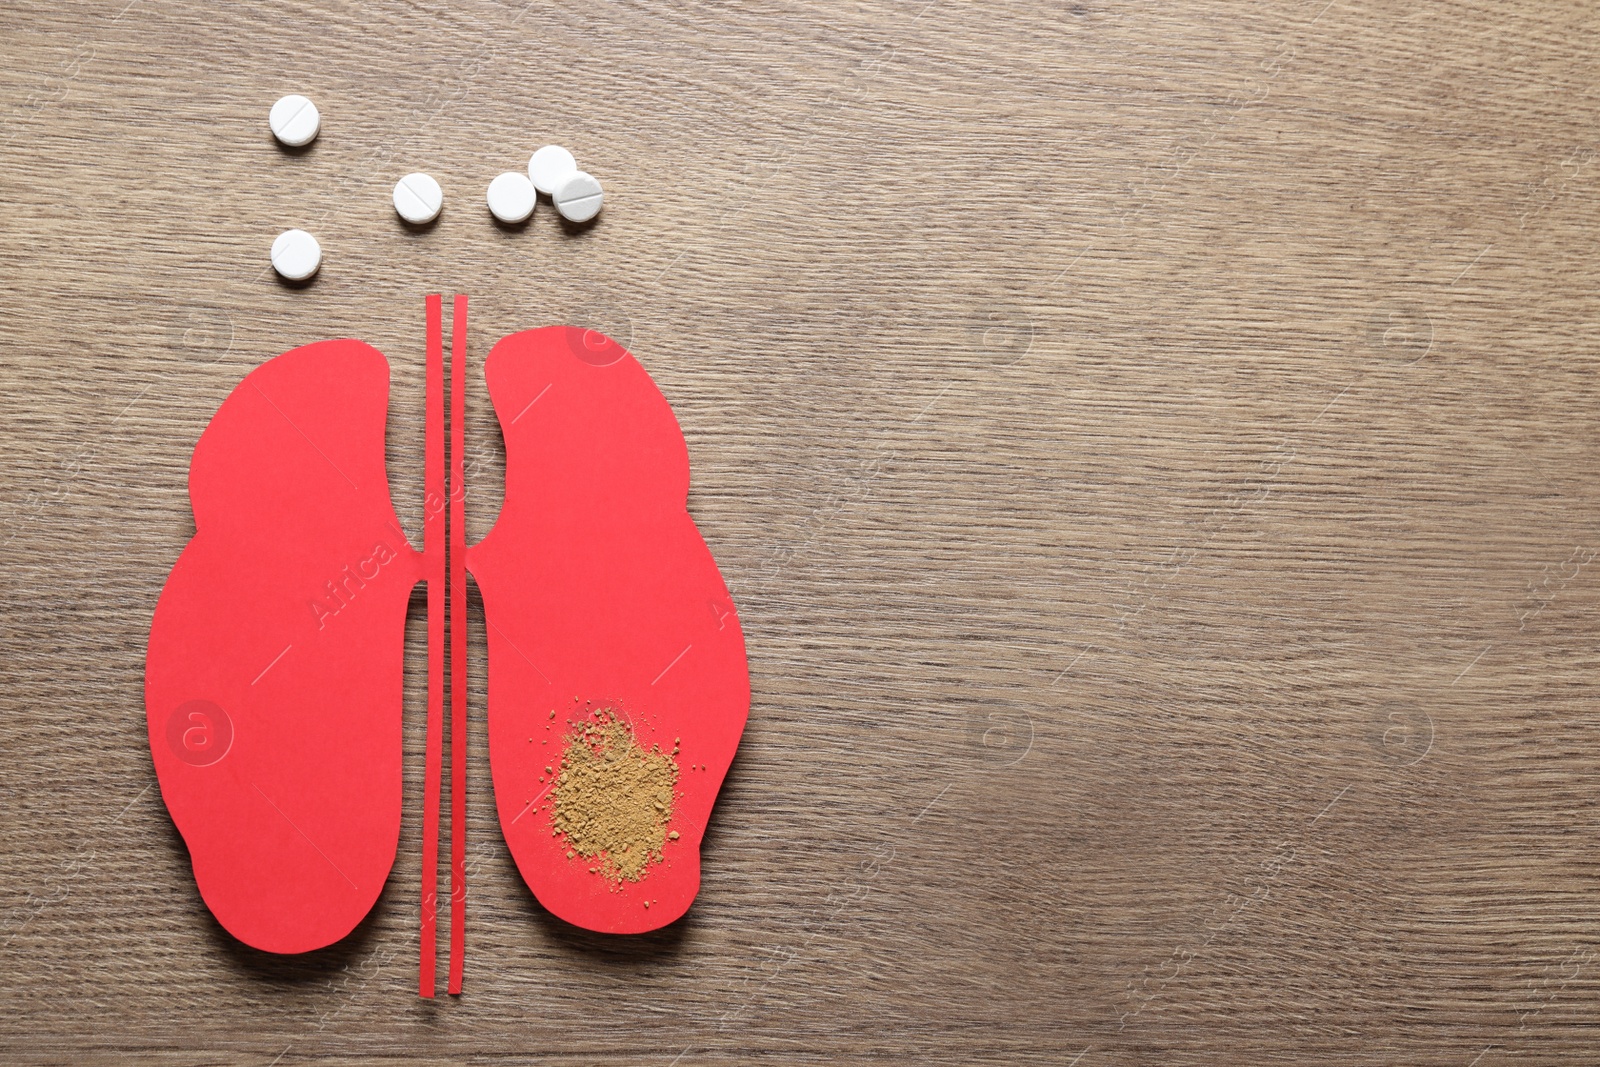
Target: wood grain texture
(1152, 445)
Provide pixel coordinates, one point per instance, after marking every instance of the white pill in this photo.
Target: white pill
(296, 255)
(417, 197)
(294, 121)
(549, 167)
(511, 197)
(578, 197)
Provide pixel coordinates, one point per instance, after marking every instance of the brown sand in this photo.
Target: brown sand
(612, 799)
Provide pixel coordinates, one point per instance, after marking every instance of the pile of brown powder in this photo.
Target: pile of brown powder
(612, 799)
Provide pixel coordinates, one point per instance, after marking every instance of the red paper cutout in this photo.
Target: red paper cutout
(434, 534)
(273, 680)
(595, 584)
(458, 646)
(281, 762)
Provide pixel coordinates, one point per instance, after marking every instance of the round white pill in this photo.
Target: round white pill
(417, 197)
(511, 197)
(578, 197)
(294, 121)
(296, 255)
(549, 167)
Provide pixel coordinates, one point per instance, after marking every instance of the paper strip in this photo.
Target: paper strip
(434, 567)
(458, 645)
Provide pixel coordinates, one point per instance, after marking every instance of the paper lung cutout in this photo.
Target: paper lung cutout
(273, 680)
(598, 588)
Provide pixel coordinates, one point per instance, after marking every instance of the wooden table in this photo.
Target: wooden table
(1152, 445)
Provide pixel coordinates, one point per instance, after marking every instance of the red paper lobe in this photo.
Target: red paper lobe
(273, 681)
(599, 593)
